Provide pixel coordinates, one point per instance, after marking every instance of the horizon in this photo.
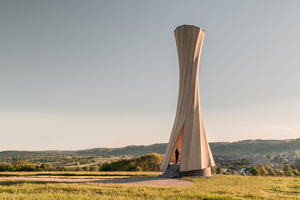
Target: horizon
(141, 145)
(81, 75)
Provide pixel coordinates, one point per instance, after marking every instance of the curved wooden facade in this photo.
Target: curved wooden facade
(188, 134)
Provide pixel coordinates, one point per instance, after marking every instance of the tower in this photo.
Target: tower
(188, 134)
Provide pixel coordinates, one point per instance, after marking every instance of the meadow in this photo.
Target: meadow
(217, 187)
(83, 174)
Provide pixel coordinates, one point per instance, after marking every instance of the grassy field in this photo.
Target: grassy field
(82, 174)
(218, 187)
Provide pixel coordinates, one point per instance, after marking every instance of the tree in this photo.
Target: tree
(296, 172)
(214, 170)
(220, 170)
(289, 173)
(94, 168)
(234, 172)
(287, 168)
(269, 169)
(254, 171)
(7, 168)
(46, 167)
(61, 168)
(279, 172)
(298, 166)
(263, 171)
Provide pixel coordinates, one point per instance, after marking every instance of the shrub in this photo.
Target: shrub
(61, 168)
(94, 168)
(263, 171)
(279, 172)
(149, 162)
(7, 168)
(254, 171)
(214, 170)
(296, 172)
(289, 173)
(46, 167)
(220, 170)
(234, 172)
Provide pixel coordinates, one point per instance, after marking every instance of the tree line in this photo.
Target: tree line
(61, 159)
(149, 162)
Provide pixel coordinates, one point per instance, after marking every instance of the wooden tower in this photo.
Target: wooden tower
(188, 134)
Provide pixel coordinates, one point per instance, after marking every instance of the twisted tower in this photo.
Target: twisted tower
(188, 134)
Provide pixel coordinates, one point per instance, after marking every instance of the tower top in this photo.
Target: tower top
(189, 26)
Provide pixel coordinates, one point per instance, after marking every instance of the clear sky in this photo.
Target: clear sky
(85, 74)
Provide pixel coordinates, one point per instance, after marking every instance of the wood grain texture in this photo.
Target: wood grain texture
(188, 134)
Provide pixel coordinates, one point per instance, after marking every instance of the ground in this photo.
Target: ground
(217, 187)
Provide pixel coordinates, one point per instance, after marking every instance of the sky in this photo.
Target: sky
(90, 74)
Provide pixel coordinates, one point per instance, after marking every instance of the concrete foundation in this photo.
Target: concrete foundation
(203, 173)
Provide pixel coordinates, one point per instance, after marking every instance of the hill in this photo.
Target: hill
(218, 148)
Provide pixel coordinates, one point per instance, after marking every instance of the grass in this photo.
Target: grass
(218, 187)
(82, 174)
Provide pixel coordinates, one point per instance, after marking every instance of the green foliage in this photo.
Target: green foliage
(20, 166)
(214, 170)
(287, 168)
(297, 166)
(7, 168)
(263, 171)
(46, 167)
(296, 172)
(233, 172)
(279, 172)
(220, 170)
(61, 168)
(94, 168)
(254, 171)
(289, 173)
(149, 162)
(269, 169)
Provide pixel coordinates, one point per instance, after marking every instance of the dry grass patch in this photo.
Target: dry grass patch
(218, 187)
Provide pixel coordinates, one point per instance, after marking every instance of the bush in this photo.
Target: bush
(254, 171)
(46, 167)
(234, 172)
(297, 166)
(94, 168)
(149, 162)
(287, 168)
(263, 171)
(7, 168)
(296, 172)
(220, 170)
(289, 173)
(214, 170)
(279, 172)
(61, 168)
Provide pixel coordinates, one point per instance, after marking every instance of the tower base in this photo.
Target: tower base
(202, 173)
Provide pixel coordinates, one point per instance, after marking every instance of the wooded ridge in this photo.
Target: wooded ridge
(231, 149)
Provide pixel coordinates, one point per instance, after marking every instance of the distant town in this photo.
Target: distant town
(243, 165)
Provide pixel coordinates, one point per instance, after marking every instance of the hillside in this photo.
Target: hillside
(218, 148)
